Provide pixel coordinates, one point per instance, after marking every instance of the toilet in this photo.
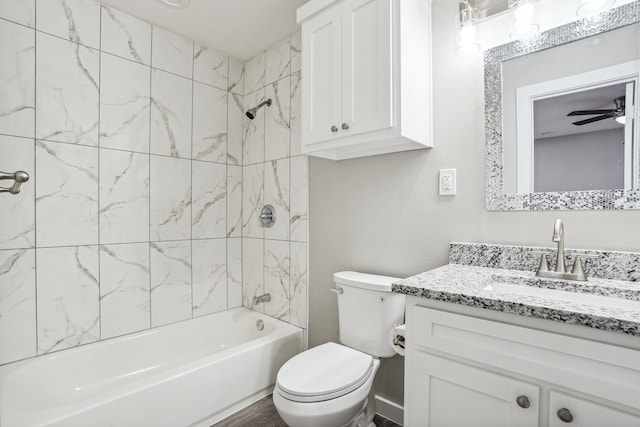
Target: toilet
(332, 385)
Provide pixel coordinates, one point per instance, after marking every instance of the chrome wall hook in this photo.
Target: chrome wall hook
(19, 177)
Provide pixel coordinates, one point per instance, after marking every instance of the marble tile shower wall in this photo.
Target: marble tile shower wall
(133, 214)
(274, 260)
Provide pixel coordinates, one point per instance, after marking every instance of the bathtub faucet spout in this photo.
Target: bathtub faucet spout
(262, 298)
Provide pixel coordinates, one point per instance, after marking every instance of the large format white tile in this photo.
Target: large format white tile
(68, 297)
(17, 304)
(252, 272)
(22, 12)
(209, 123)
(235, 123)
(17, 79)
(67, 88)
(170, 282)
(125, 36)
(172, 52)
(276, 278)
(209, 209)
(296, 52)
(74, 20)
(298, 285)
(296, 106)
(278, 61)
(234, 272)
(124, 197)
(234, 201)
(124, 289)
(299, 198)
(18, 211)
(236, 76)
(252, 200)
(170, 114)
(209, 276)
(253, 139)
(66, 194)
(277, 120)
(170, 198)
(210, 67)
(276, 194)
(124, 104)
(254, 73)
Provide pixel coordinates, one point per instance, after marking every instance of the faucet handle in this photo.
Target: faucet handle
(544, 263)
(577, 266)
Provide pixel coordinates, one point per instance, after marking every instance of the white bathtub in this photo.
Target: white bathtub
(192, 373)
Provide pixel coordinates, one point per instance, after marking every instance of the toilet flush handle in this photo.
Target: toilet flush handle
(337, 290)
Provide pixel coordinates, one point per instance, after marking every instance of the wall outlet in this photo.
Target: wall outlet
(447, 182)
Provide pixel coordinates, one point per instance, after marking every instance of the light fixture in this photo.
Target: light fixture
(523, 12)
(593, 7)
(175, 4)
(466, 38)
(621, 119)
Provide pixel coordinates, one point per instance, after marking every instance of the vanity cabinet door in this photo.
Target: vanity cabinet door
(567, 410)
(446, 393)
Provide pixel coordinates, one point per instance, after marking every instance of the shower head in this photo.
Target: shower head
(251, 113)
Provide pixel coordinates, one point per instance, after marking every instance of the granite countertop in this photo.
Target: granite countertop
(467, 285)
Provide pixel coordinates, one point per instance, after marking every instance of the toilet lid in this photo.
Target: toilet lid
(325, 372)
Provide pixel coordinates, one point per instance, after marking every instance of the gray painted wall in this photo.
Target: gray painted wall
(383, 215)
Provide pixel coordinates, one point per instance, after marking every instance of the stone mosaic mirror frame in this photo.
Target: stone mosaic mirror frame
(496, 198)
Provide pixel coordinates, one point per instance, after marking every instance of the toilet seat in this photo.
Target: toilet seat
(323, 373)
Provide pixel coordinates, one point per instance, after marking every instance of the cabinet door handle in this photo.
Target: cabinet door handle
(345, 126)
(334, 129)
(565, 415)
(523, 401)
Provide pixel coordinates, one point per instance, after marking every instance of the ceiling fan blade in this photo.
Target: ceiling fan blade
(594, 119)
(589, 112)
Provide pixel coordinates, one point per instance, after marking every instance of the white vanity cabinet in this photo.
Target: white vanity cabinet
(463, 368)
(365, 77)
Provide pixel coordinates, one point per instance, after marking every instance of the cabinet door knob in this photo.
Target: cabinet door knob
(334, 129)
(345, 126)
(523, 401)
(565, 415)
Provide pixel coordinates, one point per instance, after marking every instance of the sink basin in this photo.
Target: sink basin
(560, 295)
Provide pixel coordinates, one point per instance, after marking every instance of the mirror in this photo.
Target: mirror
(560, 120)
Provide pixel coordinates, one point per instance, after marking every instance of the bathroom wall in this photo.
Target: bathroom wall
(275, 173)
(132, 136)
(383, 214)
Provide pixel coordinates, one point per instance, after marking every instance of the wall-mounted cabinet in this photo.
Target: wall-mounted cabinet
(366, 77)
(466, 370)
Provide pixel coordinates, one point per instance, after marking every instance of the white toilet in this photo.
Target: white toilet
(332, 385)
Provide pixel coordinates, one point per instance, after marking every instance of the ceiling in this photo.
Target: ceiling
(240, 28)
(551, 118)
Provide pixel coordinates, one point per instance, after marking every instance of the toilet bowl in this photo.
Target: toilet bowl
(334, 392)
(332, 385)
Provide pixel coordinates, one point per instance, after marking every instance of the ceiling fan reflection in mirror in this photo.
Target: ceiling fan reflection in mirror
(617, 113)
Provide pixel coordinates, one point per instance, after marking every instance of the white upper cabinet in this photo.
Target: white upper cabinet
(365, 77)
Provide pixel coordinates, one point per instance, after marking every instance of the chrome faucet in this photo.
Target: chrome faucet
(558, 236)
(577, 273)
(262, 298)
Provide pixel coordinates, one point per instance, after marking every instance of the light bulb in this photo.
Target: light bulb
(622, 120)
(523, 25)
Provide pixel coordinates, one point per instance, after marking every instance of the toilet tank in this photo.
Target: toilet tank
(367, 311)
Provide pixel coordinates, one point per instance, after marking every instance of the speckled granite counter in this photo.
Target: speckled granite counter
(468, 285)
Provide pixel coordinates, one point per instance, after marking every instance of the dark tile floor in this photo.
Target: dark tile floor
(264, 414)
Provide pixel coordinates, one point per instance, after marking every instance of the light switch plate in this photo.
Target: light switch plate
(447, 182)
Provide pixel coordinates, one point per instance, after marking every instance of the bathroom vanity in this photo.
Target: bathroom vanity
(491, 344)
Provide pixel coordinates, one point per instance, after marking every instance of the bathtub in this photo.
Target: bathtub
(192, 373)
